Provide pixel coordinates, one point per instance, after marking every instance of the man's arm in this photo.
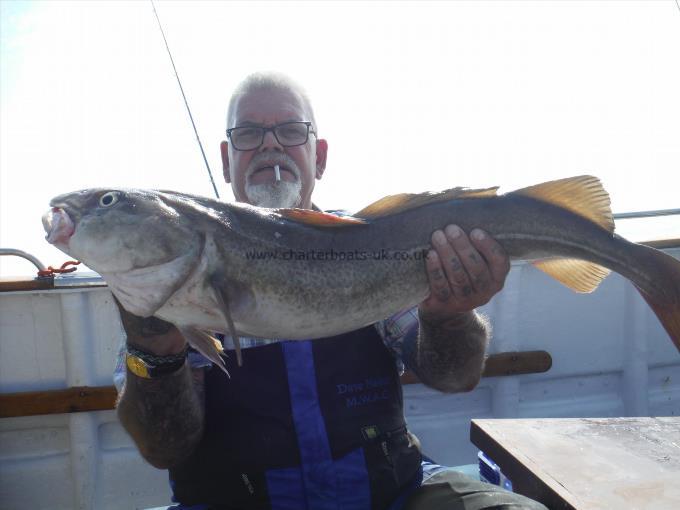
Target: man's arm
(163, 415)
(464, 273)
(449, 354)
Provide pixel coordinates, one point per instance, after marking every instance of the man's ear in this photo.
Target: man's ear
(224, 150)
(321, 153)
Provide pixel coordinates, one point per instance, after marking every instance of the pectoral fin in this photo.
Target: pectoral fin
(206, 344)
(222, 297)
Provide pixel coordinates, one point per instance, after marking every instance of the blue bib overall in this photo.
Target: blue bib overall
(303, 425)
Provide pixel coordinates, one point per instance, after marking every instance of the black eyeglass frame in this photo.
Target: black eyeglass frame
(265, 130)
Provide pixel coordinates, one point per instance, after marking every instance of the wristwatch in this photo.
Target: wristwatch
(149, 366)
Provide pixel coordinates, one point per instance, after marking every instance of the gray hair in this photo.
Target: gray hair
(268, 80)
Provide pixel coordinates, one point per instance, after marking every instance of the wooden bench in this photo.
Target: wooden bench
(103, 398)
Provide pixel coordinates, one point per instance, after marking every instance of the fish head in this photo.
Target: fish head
(114, 230)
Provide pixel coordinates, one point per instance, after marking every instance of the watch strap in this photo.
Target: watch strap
(148, 366)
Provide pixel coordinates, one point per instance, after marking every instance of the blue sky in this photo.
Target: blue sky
(411, 97)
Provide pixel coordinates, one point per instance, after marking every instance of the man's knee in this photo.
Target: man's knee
(450, 490)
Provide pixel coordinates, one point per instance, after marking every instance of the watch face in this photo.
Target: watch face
(137, 366)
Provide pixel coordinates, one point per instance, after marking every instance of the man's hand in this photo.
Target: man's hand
(464, 272)
(151, 334)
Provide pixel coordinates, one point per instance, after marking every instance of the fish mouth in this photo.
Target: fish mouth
(58, 225)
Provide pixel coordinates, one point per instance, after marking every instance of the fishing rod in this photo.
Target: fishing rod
(186, 103)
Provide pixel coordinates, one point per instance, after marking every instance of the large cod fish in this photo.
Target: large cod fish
(206, 265)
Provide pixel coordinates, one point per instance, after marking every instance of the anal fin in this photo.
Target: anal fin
(578, 275)
(206, 344)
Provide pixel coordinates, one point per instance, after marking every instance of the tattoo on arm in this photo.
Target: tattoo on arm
(164, 416)
(448, 355)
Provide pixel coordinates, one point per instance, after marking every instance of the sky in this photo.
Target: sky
(411, 96)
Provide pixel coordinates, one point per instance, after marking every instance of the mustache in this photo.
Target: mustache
(268, 159)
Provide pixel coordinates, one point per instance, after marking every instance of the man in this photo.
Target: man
(311, 424)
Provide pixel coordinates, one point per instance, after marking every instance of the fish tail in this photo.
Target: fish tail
(662, 290)
(207, 345)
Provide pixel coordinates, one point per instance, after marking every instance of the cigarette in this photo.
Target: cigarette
(277, 173)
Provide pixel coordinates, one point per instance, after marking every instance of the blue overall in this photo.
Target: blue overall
(303, 425)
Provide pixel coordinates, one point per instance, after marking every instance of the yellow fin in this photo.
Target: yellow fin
(393, 204)
(578, 275)
(582, 195)
(318, 218)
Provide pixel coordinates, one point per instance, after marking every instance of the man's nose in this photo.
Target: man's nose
(270, 142)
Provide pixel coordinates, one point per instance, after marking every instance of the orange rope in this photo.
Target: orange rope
(50, 271)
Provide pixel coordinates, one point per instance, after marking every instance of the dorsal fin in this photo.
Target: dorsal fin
(393, 204)
(582, 195)
(578, 275)
(318, 218)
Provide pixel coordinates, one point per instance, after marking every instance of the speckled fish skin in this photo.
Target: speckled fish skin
(164, 253)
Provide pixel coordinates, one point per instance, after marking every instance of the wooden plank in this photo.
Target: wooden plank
(518, 362)
(70, 400)
(504, 364)
(587, 463)
(10, 284)
(101, 398)
(14, 283)
(662, 244)
(84, 398)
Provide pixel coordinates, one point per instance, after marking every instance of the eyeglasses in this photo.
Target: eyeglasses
(288, 134)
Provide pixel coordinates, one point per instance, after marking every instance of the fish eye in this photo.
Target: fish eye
(109, 199)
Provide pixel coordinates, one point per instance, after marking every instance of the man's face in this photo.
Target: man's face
(251, 173)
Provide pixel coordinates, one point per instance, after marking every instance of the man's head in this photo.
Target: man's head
(266, 100)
